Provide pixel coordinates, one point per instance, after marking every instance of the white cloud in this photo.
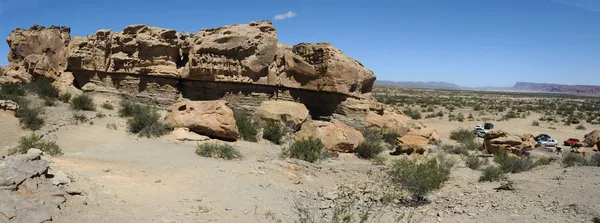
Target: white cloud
(590, 5)
(287, 15)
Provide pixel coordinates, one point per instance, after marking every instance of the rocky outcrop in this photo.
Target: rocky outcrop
(592, 138)
(291, 114)
(210, 118)
(336, 136)
(184, 134)
(389, 120)
(30, 191)
(8, 105)
(428, 133)
(411, 144)
(37, 51)
(500, 140)
(243, 53)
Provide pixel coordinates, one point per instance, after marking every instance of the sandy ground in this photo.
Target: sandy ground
(129, 179)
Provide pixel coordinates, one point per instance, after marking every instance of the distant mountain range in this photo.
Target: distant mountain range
(519, 86)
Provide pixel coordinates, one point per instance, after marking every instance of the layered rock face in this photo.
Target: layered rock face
(162, 65)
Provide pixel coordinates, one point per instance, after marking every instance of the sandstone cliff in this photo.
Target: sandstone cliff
(163, 65)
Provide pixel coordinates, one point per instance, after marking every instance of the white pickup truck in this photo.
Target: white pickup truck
(480, 131)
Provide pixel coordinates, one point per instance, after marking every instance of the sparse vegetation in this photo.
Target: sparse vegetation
(542, 161)
(83, 102)
(595, 160)
(573, 159)
(30, 118)
(535, 123)
(107, 106)
(36, 141)
(308, 149)
(462, 135)
(413, 113)
(369, 149)
(513, 165)
(65, 97)
(273, 131)
(80, 117)
(458, 150)
(491, 174)
(218, 151)
(418, 177)
(247, 127)
(580, 127)
(474, 162)
(390, 135)
(146, 122)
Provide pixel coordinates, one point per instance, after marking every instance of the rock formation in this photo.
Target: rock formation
(29, 191)
(291, 114)
(336, 136)
(163, 65)
(592, 138)
(210, 118)
(497, 140)
(410, 144)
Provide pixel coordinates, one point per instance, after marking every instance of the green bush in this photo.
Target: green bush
(127, 108)
(30, 118)
(372, 134)
(9, 91)
(308, 149)
(146, 122)
(458, 150)
(491, 174)
(36, 141)
(65, 97)
(369, 149)
(473, 162)
(247, 128)
(418, 178)
(44, 89)
(83, 102)
(413, 113)
(542, 161)
(580, 127)
(218, 151)
(390, 135)
(535, 123)
(513, 165)
(273, 131)
(107, 106)
(573, 159)
(595, 160)
(460, 117)
(79, 117)
(462, 135)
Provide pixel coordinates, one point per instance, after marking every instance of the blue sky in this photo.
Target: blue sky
(467, 42)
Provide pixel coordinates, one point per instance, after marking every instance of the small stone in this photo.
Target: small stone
(106, 170)
(73, 191)
(228, 209)
(60, 178)
(157, 181)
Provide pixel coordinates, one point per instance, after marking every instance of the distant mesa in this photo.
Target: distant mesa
(558, 88)
(419, 84)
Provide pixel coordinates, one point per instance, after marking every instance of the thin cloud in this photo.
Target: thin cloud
(590, 5)
(287, 15)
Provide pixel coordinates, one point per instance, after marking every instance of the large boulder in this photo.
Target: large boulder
(210, 118)
(292, 114)
(428, 133)
(336, 136)
(592, 138)
(389, 120)
(38, 51)
(412, 144)
(501, 140)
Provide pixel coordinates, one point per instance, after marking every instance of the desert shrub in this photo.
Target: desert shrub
(390, 135)
(79, 117)
(218, 151)
(595, 160)
(65, 97)
(372, 134)
(9, 91)
(445, 162)
(369, 149)
(36, 141)
(596, 220)
(127, 108)
(273, 131)
(513, 165)
(542, 161)
(580, 127)
(146, 122)
(473, 162)
(491, 174)
(510, 115)
(107, 106)
(30, 118)
(430, 109)
(413, 113)
(100, 115)
(535, 123)
(573, 159)
(458, 150)
(247, 128)
(460, 117)
(43, 88)
(418, 177)
(83, 102)
(462, 135)
(470, 117)
(308, 149)
(440, 114)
